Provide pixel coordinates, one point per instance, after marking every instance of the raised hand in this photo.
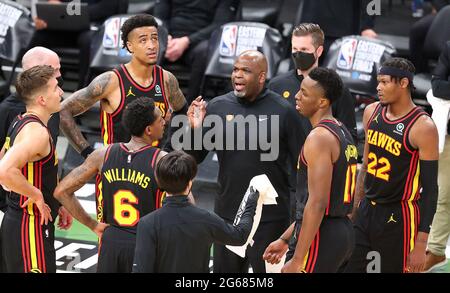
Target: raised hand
(197, 112)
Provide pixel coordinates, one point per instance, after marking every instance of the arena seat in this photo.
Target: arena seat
(264, 11)
(17, 31)
(140, 6)
(70, 56)
(4, 86)
(228, 42)
(357, 60)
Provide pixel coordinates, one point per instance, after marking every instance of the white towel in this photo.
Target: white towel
(267, 196)
(275, 268)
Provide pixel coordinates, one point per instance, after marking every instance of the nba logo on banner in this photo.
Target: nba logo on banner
(111, 36)
(347, 54)
(228, 41)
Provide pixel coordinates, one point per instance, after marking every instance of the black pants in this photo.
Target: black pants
(226, 261)
(28, 246)
(417, 38)
(385, 234)
(60, 39)
(116, 251)
(331, 248)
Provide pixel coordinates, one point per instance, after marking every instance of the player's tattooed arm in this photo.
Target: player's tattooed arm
(176, 98)
(64, 192)
(78, 103)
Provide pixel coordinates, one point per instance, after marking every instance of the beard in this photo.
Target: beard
(240, 94)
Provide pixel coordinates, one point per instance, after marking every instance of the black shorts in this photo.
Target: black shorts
(331, 248)
(385, 234)
(116, 251)
(28, 246)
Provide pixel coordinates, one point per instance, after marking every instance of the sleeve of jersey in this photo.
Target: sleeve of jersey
(428, 198)
(145, 251)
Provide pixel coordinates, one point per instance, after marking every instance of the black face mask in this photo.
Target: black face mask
(303, 61)
(60, 81)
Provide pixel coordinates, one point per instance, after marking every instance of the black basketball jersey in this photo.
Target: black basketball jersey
(343, 184)
(129, 189)
(42, 174)
(392, 162)
(111, 123)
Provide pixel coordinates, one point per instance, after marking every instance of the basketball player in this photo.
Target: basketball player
(117, 88)
(323, 239)
(400, 156)
(126, 172)
(29, 170)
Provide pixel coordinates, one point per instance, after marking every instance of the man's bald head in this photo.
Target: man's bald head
(41, 56)
(255, 57)
(249, 75)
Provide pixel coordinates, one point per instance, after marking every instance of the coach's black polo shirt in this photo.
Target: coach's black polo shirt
(238, 167)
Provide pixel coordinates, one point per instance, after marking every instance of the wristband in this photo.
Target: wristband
(87, 151)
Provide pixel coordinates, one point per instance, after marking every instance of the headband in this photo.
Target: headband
(396, 72)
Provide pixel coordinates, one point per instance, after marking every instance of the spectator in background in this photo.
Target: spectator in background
(339, 18)
(440, 228)
(99, 11)
(307, 47)
(418, 34)
(190, 24)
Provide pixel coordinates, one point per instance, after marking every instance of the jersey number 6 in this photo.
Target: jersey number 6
(125, 213)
